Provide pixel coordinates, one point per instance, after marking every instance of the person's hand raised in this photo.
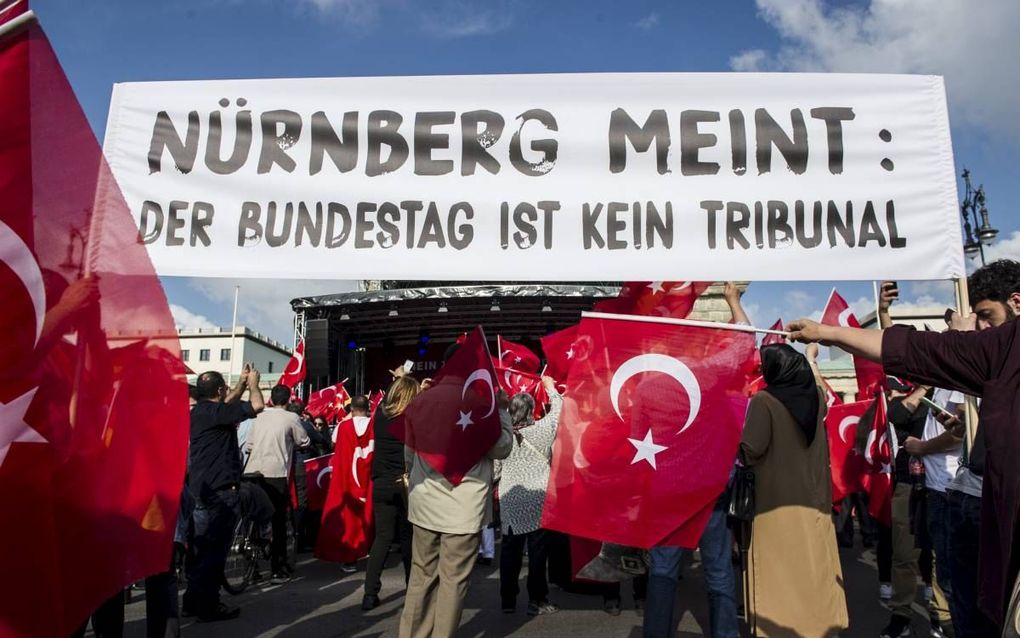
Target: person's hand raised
(805, 331)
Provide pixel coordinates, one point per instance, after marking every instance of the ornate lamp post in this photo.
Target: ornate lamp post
(977, 229)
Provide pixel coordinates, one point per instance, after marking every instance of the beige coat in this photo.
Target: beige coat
(435, 504)
(796, 577)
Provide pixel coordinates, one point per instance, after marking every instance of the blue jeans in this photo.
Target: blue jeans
(214, 529)
(664, 572)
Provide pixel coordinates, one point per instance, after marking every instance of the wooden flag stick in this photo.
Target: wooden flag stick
(684, 322)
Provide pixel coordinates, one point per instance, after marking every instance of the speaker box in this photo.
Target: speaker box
(317, 347)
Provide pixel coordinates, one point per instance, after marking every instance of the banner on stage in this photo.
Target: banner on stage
(543, 177)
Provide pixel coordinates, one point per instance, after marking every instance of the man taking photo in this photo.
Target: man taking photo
(214, 481)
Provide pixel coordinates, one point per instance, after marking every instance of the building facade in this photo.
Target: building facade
(206, 349)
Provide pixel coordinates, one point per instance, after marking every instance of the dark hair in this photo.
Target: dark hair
(995, 282)
(360, 403)
(192, 392)
(208, 385)
(280, 395)
(295, 407)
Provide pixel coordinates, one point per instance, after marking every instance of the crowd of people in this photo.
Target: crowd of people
(954, 504)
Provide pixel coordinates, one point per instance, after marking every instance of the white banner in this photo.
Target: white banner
(543, 177)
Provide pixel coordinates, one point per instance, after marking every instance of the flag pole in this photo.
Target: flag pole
(14, 26)
(684, 322)
(970, 423)
(233, 336)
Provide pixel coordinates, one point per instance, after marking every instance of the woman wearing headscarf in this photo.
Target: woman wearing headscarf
(796, 583)
(523, 478)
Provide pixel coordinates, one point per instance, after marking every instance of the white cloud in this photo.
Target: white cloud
(974, 45)
(461, 19)
(359, 12)
(187, 320)
(648, 22)
(264, 304)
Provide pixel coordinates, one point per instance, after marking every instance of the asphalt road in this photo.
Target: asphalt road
(323, 601)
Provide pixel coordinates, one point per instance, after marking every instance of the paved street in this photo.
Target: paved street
(322, 601)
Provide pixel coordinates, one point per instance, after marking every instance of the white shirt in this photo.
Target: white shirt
(940, 468)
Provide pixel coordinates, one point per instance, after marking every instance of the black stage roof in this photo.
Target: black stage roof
(400, 315)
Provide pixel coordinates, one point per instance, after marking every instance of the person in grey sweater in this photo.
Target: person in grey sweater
(523, 478)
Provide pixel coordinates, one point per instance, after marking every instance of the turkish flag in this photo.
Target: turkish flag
(649, 432)
(93, 399)
(317, 475)
(375, 399)
(516, 382)
(329, 402)
(660, 298)
(453, 424)
(516, 356)
(558, 348)
(296, 370)
(770, 339)
(346, 532)
(870, 375)
(877, 478)
(844, 462)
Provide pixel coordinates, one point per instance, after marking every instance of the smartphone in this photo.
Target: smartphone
(935, 406)
(408, 365)
(894, 289)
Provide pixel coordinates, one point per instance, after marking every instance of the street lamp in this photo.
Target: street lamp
(973, 210)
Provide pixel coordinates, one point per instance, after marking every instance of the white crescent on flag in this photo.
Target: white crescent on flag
(845, 424)
(658, 363)
(19, 258)
(360, 453)
(324, 472)
(485, 376)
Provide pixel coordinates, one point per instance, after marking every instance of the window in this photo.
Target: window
(270, 367)
(184, 355)
(203, 354)
(224, 354)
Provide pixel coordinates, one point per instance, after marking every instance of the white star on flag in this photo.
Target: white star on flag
(646, 450)
(656, 287)
(13, 428)
(570, 353)
(465, 420)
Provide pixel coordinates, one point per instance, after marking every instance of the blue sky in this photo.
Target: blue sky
(100, 43)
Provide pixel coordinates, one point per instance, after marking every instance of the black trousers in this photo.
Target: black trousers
(162, 617)
(964, 521)
(511, 558)
(107, 620)
(389, 515)
(855, 504)
(276, 490)
(611, 591)
(214, 524)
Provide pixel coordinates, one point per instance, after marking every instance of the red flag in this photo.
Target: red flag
(870, 375)
(770, 339)
(346, 532)
(296, 369)
(516, 356)
(662, 298)
(374, 400)
(453, 424)
(649, 432)
(93, 403)
(877, 478)
(831, 398)
(330, 402)
(515, 382)
(317, 475)
(841, 423)
(559, 352)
